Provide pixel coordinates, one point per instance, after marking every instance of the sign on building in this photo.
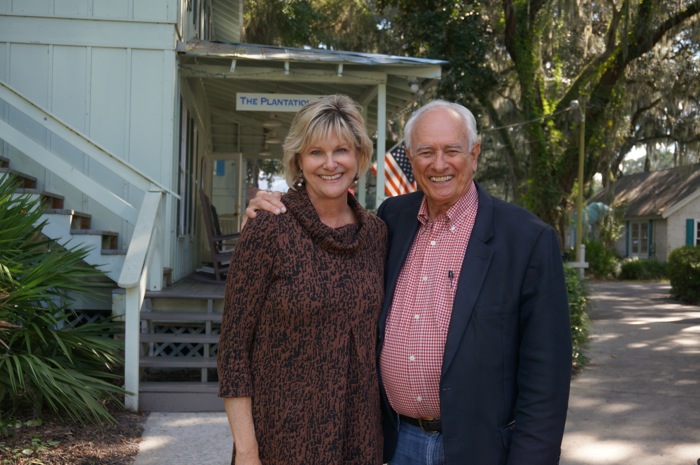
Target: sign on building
(247, 101)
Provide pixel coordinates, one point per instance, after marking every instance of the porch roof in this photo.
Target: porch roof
(656, 194)
(218, 71)
(201, 48)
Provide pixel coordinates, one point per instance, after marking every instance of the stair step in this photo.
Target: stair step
(183, 397)
(113, 251)
(180, 386)
(181, 316)
(110, 239)
(79, 220)
(4, 162)
(49, 199)
(177, 362)
(27, 181)
(169, 338)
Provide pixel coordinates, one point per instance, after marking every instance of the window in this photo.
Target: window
(692, 232)
(186, 165)
(639, 239)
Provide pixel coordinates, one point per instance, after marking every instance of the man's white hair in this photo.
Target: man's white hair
(462, 111)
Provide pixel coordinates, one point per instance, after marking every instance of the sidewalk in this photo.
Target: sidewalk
(637, 402)
(185, 439)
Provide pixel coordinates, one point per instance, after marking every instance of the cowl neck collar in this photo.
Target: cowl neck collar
(342, 240)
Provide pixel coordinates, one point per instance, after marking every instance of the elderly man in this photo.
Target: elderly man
(475, 341)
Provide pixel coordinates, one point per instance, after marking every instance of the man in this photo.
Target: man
(475, 341)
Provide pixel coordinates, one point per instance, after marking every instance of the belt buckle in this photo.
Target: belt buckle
(420, 422)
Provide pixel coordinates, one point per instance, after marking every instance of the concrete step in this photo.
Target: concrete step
(180, 397)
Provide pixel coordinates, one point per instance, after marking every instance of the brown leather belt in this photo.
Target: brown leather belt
(427, 425)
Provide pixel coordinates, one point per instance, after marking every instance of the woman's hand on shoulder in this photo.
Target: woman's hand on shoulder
(264, 200)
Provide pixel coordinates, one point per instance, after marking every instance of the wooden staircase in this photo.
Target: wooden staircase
(66, 225)
(179, 325)
(76, 230)
(179, 340)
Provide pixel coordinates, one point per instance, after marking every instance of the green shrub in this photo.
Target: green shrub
(642, 269)
(578, 303)
(684, 273)
(603, 263)
(45, 361)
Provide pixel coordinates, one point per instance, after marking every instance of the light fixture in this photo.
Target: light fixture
(271, 138)
(265, 152)
(413, 85)
(272, 122)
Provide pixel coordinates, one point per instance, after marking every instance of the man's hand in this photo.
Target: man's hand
(264, 200)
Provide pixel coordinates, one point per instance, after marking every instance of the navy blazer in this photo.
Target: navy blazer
(506, 370)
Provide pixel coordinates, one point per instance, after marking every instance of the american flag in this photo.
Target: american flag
(399, 174)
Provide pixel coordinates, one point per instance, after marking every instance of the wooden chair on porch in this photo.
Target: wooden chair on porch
(220, 245)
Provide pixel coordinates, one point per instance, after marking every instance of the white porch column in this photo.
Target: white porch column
(381, 143)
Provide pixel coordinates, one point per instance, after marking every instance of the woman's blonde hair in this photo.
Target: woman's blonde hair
(330, 114)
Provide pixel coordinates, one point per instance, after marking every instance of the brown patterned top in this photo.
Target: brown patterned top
(299, 334)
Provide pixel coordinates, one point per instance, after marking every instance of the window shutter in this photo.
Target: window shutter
(690, 231)
(627, 239)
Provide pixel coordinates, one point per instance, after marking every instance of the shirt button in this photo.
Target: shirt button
(452, 228)
(416, 316)
(419, 399)
(412, 358)
(432, 242)
(424, 278)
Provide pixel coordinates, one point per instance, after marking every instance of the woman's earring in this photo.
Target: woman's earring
(356, 179)
(300, 181)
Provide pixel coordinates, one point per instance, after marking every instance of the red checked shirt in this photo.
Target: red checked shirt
(416, 328)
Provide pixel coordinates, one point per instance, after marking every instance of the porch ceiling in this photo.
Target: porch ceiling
(207, 68)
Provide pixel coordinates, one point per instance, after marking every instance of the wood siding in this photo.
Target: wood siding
(107, 68)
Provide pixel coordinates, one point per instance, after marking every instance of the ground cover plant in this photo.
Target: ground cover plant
(50, 368)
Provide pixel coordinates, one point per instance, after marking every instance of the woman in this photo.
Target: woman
(297, 352)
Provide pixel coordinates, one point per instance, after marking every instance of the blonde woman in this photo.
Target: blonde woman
(297, 354)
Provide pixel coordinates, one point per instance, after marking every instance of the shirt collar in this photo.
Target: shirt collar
(456, 212)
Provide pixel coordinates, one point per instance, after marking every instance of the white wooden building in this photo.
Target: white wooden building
(121, 111)
(660, 211)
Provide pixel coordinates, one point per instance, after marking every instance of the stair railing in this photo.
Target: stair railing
(144, 255)
(143, 265)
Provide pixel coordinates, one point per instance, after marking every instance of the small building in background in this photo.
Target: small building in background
(660, 211)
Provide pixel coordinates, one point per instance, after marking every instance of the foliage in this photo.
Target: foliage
(451, 30)
(578, 304)
(603, 263)
(47, 362)
(642, 269)
(610, 227)
(331, 24)
(263, 170)
(684, 273)
(36, 447)
(631, 66)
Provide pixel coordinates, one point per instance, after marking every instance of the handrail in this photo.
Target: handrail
(141, 240)
(74, 177)
(142, 268)
(143, 264)
(71, 135)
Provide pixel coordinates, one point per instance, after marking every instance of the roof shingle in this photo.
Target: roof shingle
(650, 194)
